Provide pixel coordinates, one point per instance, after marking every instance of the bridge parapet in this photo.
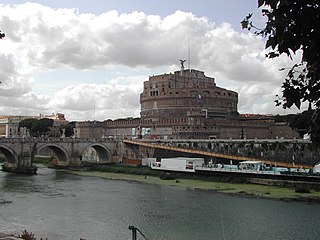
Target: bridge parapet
(20, 152)
(62, 140)
(287, 152)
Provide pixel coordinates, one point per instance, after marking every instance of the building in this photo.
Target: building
(58, 121)
(183, 105)
(9, 125)
(186, 92)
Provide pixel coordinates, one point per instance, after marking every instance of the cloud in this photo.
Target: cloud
(42, 39)
(116, 98)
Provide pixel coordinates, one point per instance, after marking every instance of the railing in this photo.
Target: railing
(213, 154)
(53, 140)
(234, 170)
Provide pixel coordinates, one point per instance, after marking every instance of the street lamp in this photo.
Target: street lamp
(134, 233)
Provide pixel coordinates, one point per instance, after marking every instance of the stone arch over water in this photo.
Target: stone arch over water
(60, 153)
(9, 154)
(102, 151)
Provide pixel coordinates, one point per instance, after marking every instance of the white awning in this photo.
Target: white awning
(250, 162)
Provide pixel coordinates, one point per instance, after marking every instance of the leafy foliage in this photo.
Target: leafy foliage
(27, 123)
(42, 126)
(291, 26)
(27, 235)
(69, 129)
(299, 122)
(37, 127)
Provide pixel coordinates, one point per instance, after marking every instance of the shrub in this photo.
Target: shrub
(167, 176)
(27, 235)
(2, 157)
(302, 189)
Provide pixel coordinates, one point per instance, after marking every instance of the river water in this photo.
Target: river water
(56, 205)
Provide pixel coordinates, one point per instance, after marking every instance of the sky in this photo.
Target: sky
(89, 59)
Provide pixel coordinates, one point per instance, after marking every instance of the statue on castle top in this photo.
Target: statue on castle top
(182, 62)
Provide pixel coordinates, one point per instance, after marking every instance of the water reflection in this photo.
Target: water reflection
(61, 206)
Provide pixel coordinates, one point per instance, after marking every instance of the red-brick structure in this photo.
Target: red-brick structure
(187, 104)
(175, 95)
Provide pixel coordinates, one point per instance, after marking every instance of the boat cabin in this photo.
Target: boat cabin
(252, 165)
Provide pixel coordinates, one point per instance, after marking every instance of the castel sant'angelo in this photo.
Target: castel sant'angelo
(187, 104)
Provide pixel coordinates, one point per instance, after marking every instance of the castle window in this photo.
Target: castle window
(154, 93)
(193, 93)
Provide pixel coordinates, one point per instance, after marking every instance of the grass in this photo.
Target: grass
(253, 190)
(42, 159)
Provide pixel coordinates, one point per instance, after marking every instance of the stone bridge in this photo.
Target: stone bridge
(20, 152)
(280, 152)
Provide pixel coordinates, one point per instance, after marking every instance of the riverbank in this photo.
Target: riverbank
(250, 190)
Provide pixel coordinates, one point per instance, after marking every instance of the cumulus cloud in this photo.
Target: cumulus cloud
(116, 98)
(43, 39)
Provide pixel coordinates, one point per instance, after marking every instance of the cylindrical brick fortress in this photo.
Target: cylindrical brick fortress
(176, 95)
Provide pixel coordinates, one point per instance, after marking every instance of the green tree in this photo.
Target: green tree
(300, 122)
(27, 123)
(68, 129)
(41, 127)
(293, 25)
(37, 127)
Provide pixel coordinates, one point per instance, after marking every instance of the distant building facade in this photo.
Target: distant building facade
(184, 105)
(9, 125)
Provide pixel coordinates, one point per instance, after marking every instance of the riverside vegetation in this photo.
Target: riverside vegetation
(145, 175)
(197, 182)
(204, 183)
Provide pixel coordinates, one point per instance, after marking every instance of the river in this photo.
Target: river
(57, 205)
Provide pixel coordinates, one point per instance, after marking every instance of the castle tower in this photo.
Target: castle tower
(185, 91)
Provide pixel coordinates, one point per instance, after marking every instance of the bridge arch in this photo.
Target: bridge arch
(102, 151)
(9, 154)
(60, 152)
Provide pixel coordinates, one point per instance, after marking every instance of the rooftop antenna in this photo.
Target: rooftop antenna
(189, 58)
(94, 112)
